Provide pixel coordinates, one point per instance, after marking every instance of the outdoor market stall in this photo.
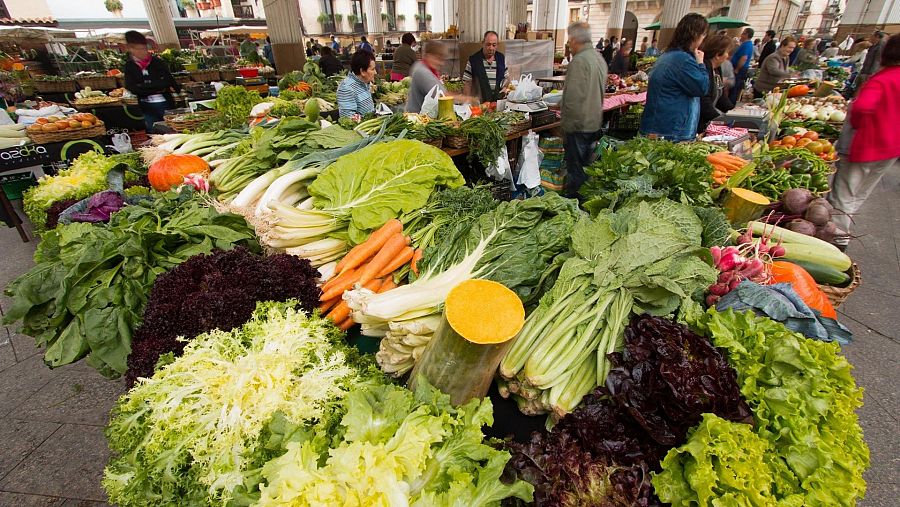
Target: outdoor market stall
(313, 312)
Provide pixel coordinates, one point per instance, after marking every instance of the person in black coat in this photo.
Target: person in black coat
(715, 51)
(621, 63)
(769, 46)
(609, 49)
(149, 79)
(329, 63)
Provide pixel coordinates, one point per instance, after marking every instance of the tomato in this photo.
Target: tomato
(789, 141)
(816, 147)
(812, 135)
(803, 142)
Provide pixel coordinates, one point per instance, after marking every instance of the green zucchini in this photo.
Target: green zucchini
(825, 275)
(805, 253)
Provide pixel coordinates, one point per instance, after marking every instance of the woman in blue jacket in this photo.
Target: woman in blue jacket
(677, 81)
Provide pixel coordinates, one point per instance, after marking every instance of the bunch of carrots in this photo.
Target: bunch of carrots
(370, 264)
(724, 165)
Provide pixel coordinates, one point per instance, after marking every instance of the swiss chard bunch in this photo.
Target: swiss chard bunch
(85, 295)
(215, 291)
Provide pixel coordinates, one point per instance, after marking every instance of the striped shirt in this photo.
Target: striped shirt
(490, 68)
(354, 97)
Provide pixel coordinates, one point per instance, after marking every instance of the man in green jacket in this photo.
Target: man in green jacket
(581, 109)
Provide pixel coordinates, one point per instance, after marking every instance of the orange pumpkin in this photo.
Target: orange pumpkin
(798, 91)
(804, 285)
(170, 170)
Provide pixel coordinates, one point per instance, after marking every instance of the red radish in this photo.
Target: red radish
(716, 254)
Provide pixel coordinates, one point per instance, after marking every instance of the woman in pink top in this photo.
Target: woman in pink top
(872, 146)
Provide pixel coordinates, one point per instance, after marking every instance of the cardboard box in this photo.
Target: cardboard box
(531, 36)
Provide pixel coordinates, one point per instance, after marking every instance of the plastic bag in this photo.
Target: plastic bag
(383, 110)
(529, 164)
(463, 111)
(500, 170)
(121, 143)
(430, 104)
(526, 90)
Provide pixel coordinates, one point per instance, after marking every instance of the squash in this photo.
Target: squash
(311, 109)
(742, 206)
(480, 319)
(170, 170)
(804, 285)
(798, 91)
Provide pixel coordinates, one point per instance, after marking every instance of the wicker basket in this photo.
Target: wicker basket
(838, 295)
(182, 78)
(228, 74)
(520, 126)
(97, 82)
(90, 107)
(68, 135)
(65, 86)
(182, 125)
(205, 76)
(437, 143)
(454, 141)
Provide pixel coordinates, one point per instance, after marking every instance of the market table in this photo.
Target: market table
(553, 80)
(453, 152)
(50, 156)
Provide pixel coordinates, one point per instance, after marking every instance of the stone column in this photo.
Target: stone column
(373, 25)
(739, 9)
(283, 20)
(616, 18)
(672, 12)
(791, 19)
(518, 11)
(160, 17)
(227, 9)
(477, 17)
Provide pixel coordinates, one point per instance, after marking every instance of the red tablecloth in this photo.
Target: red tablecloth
(614, 101)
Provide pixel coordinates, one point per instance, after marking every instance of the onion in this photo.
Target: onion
(823, 114)
(801, 226)
(838, 116)
(796, 200)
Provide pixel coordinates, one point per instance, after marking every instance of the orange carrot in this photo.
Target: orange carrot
(417, 256)
(405, 256)
(340, 279)
(346, 324)
(342, 310)
(328, 305)
(368, 248)
(388, 252)
(387, 285)
(337, 289)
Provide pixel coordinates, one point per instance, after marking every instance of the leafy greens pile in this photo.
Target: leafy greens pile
(396, 447)
(86, 293)
(645, 258)
(85, 177)
(602, 453)
(370, 186)
(803, 398)
(644, 167)
(197, 432)
(445, 209)
(215, 291)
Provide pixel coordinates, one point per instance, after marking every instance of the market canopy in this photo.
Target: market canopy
(236, 30)
(652, 26)
(726, 22)
(14, 33)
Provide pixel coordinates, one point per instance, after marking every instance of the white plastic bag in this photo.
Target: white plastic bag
(463, 111)
(121, 143)
(430, 104)
(526, 90)
(529, 164)
(500, 169)
(383, 110)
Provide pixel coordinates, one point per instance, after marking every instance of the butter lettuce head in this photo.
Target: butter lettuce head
(382, 181)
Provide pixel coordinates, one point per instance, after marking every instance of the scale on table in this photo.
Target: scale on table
(526, 107)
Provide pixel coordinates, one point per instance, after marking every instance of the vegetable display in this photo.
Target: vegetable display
(395, 447)
(86, 294)
(171, 170)
(240, 395)
(785, 168)
(645, 258)
(215, 291)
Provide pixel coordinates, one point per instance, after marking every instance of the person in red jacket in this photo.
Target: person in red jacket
(870, 144)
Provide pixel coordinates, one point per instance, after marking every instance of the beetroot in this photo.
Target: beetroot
(817, 213)
(801, 226)
(826, 232)
(796, 200)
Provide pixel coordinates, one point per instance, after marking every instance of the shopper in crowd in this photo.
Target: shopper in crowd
(329, 63)
(335, 45)
(847, 43)
(715, 52)
(268, 53)
(148, 77)
(775, 68)
(757, 49)
(831, 51)
(807, 56)
(740, 60)
(768, 46)
(581, 106)
(485, 73)
(872, 63)
(860, 51)
(365, 46)
(404, 57)
(653, 50)
(796, 51)
(425, 74)
(247, 49)
(645, 44)
(870, 142)
(354, 94)
(677, 81)
(727, 72)
(610, 49)
(621, 63)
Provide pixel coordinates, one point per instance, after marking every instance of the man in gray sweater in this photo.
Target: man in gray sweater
(581, 108)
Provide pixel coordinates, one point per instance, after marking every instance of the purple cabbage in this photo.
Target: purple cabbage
(100, 207)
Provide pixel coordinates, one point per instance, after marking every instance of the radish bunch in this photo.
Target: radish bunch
(749, 260)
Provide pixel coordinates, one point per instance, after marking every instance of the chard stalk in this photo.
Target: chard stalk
(565, 398)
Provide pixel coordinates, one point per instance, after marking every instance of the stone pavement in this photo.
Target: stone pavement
(51, 422)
